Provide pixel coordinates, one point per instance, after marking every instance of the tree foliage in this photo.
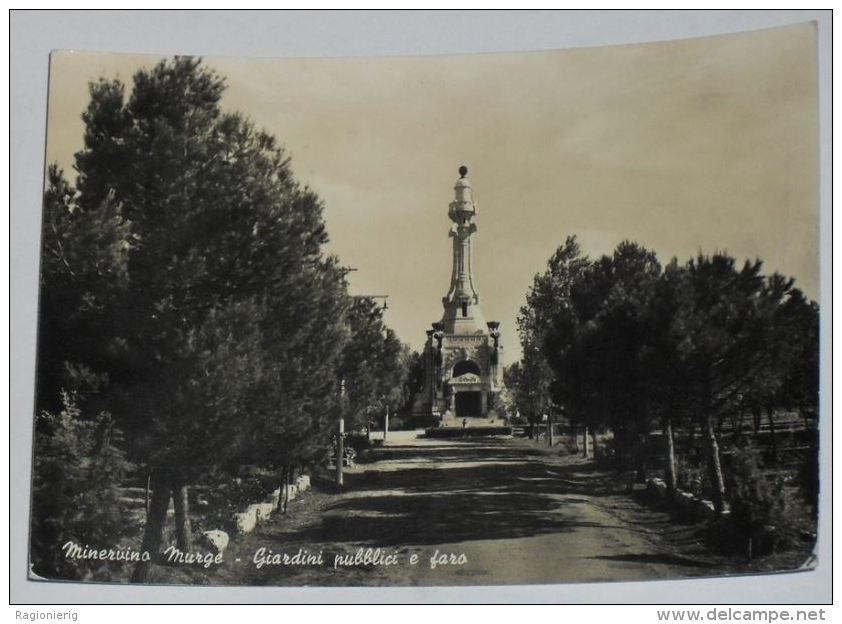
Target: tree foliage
(226, 314)
(548, 303)
(84, 274)
(75, 496)
(625, 344)
(187, 291)
(373, 365)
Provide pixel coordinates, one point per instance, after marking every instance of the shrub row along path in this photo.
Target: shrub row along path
(518, 512)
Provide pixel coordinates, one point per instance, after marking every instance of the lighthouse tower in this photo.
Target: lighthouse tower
(463, 352)
(462, 314)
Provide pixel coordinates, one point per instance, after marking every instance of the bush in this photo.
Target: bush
(401, 422)
(605, 455)
(690, 477)
(758, 505)
(230, 495)
(807, 478)
(76, 491)
(357, 441)
(252, 487)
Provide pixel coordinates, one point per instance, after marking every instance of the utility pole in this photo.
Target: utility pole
(585, 451)
(550, 428)
(340, 438)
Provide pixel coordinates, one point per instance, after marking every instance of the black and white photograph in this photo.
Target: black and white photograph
(493, 319)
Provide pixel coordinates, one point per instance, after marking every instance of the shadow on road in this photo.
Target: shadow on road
(433, 494)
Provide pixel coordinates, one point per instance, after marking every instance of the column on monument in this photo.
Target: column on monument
(463, 265)
(454, 276)
(484, 403)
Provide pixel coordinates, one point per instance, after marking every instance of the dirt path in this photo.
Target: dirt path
(513, 512)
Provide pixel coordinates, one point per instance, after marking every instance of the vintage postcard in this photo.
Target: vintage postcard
(497, 319)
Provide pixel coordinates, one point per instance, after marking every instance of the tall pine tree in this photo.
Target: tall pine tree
(220, 327)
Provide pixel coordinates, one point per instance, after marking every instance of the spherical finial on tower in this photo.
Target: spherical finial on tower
(463, 171)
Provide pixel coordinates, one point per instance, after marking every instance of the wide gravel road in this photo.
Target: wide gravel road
(488, 511)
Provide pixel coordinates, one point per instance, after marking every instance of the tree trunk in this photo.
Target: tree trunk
(585, 452)
(692, 451)
(146, 498)
(755, 419)
(772, 437)
(715, 467)
(593, 442)
(630, 445)
(340, 455)
(183, 532)
(736, 424)
(285, 492)
(550, 440)
(154, 529)
(670, 454)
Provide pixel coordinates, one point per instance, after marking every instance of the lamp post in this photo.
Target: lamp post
(438, 336)
(494, 332)
(550, 440)
(340, 438)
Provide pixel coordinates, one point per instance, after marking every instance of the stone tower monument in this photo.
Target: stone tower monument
(463, 354)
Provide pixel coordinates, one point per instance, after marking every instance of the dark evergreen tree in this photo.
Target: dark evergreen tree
(414, 379)
(598, 345)
(83, 275)
(76, 501)
(548, 300)
(223, 333)
(373, 365)
(723, 344)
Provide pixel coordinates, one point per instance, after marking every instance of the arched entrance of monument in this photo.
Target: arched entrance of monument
(468, 404)
(466, 366)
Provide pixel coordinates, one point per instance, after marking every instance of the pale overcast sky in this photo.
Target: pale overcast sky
(703, 144)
